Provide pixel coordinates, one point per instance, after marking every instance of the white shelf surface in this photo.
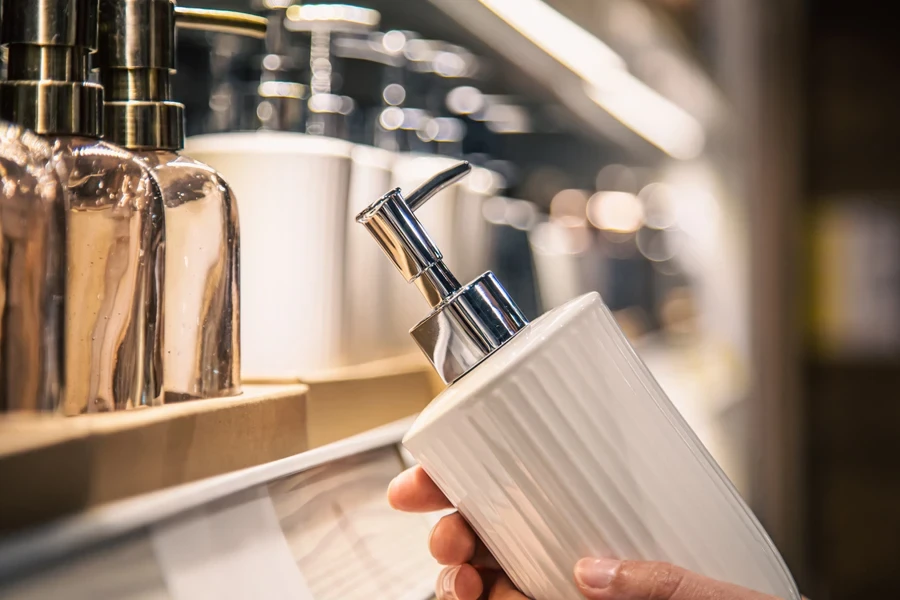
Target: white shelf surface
(314, 526)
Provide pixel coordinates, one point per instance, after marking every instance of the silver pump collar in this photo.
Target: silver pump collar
(467, 323)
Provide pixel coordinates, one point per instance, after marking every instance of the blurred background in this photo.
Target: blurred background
(722, 171)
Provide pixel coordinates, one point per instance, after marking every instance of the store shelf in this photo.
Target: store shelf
(53, 466)
(101, 458)
(313, 525)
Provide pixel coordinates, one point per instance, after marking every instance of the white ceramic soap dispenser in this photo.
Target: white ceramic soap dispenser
(292, 191)
(554, 441)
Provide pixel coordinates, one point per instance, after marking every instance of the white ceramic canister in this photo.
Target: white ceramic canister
(567, 261)
(471, 230)
(366, 275)
(292, 190)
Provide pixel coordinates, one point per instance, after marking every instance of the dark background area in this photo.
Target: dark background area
(852, 141)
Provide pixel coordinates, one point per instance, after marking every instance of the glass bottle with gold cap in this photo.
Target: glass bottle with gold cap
(201, 304)
(114, 246)
(32, 272)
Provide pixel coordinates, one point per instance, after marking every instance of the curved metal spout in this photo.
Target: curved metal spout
(221, 21)
(437, 184)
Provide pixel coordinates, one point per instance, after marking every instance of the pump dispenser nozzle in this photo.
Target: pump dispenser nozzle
(328, 111)
(468, 323)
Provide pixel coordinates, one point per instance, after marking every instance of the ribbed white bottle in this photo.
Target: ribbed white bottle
(553, 440)
(292, 191)
(561, 445)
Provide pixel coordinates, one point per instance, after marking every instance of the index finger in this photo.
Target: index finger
(414, 491)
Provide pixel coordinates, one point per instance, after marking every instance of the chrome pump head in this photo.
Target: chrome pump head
(47, 88)
(137, 58)
(468, 323)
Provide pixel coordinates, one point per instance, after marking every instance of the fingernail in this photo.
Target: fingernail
(596, 573)
(446, 588)
(398, 479)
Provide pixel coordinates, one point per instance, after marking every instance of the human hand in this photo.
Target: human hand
(471, 573)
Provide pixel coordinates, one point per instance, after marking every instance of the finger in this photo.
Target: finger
(452, 541)
(414, 491)
(462, 582)
(607, 579)
(483, 557)
(503, 589)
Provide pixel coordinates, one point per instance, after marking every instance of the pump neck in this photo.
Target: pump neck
(47, 87)
(328, 111)
(137, 59)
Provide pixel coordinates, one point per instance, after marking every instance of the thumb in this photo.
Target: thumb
(608, 579)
